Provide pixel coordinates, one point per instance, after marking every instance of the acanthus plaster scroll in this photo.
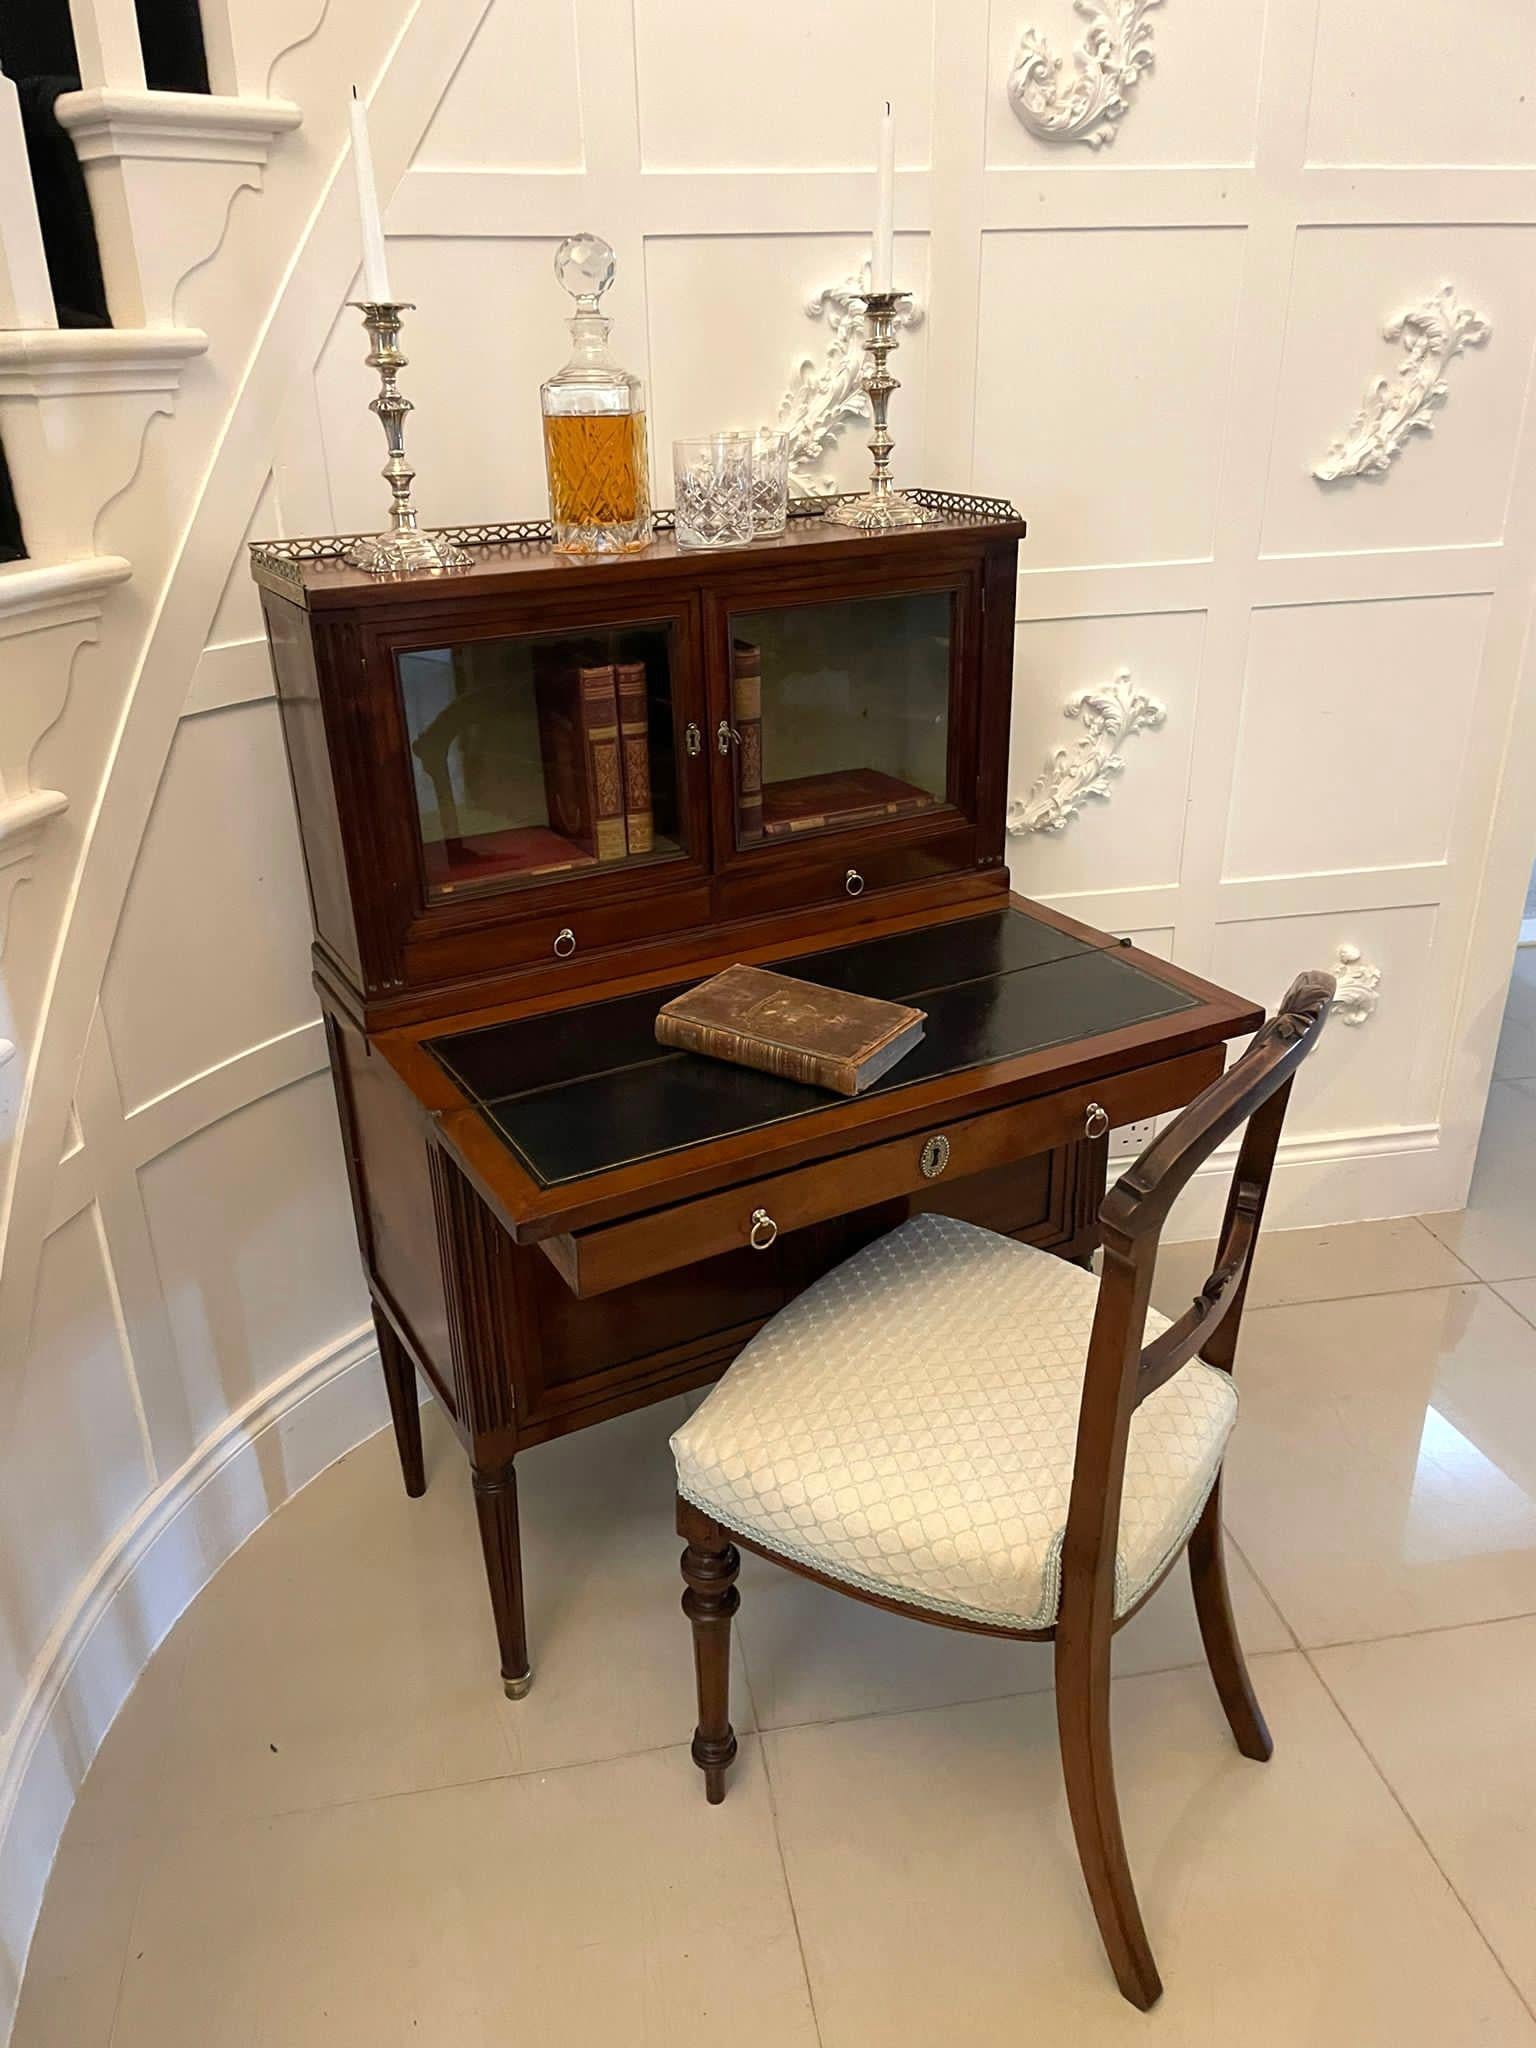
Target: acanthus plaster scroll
(1357, 994)
(1106, 65)
(824, 396)
(1111, 714)
(1434, 333)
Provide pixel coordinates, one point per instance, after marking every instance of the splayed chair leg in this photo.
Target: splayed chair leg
(1218, 1631)
(1082, 1720)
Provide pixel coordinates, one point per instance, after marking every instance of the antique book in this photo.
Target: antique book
(635, 746)
(579, 741)
(747, 720)
(849, 796)
(453, 864)
(756, 1018)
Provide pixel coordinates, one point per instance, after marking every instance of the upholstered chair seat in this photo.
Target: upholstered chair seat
(908, 1427)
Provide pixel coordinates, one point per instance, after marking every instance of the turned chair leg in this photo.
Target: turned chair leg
(710, 1564)
(404, 1409)
(1082, 1720)
(1218, 1631)
(496, 1511)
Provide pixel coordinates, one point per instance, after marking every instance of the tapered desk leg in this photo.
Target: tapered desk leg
(496, 1507)
(400, 1384)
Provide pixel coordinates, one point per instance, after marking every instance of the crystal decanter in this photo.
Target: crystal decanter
(594, 422)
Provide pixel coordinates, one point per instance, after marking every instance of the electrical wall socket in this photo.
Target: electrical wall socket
(1130, 1139)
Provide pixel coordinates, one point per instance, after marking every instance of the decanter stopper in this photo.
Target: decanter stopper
(584, 266)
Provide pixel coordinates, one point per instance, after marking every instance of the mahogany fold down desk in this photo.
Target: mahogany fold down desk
(562, 1220)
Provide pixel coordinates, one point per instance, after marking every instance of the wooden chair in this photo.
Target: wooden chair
(968, 1431)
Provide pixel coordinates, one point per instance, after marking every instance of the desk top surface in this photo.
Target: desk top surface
(325, 582)
(579, 1092)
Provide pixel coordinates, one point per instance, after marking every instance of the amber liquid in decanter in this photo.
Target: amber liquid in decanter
(597, 468)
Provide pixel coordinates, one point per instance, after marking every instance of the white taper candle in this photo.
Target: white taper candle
(375, 270)
(881, 249)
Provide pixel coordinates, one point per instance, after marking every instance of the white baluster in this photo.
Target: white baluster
(107, 43)
(26, 298)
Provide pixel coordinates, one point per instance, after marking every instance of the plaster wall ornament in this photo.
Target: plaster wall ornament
(1107, 65)
(1110, 714)
(1358, 981)
(1433, 334)
(824, 396)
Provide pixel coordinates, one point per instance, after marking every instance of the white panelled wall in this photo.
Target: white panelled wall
(1262, 721)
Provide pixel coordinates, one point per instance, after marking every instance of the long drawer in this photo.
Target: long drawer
(758, 1211)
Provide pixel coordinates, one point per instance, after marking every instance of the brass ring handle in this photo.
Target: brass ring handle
(565, 943)
(853, 882)
(762, 1221)
(1096, 1123)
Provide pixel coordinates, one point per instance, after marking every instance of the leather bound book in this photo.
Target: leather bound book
(756, 1018)
(579, 739)
(490, 856)
(747, 719)
(850, 796)
(600, 730)
(635, 745)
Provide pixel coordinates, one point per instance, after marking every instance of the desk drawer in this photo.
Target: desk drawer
(776, 877)
(547, 936)
(759, 1211)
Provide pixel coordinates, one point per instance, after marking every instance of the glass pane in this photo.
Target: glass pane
(841, 713)
(540, 758)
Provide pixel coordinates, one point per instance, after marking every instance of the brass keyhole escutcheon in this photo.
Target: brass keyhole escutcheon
(934, 1156)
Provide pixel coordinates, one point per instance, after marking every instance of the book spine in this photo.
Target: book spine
(717, 1043)
(819, 821)
(747, 719)
(600, 751)
(635, 742)
(567, 796)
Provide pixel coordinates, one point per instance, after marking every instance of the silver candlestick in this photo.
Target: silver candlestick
(882, 505)
(400, 548)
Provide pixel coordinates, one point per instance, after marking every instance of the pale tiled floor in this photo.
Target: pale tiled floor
(317, 1820)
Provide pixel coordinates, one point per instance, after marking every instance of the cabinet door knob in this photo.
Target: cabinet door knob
(853, 882)
(693, 740)
(763, 1232)
(565, 943)
(725, 732)
(1096, 1122)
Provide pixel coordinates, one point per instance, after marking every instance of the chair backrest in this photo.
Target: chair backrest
(1121, 1368)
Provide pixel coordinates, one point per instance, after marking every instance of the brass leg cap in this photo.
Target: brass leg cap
(518, 1688)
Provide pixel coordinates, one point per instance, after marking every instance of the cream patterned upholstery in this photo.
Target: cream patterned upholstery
(908, 1426)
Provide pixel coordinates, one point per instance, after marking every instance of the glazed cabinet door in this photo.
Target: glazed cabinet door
(537, 793)
(843, 733)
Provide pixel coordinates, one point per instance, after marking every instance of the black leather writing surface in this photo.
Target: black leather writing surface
(536, 1052)
(581, 1091)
